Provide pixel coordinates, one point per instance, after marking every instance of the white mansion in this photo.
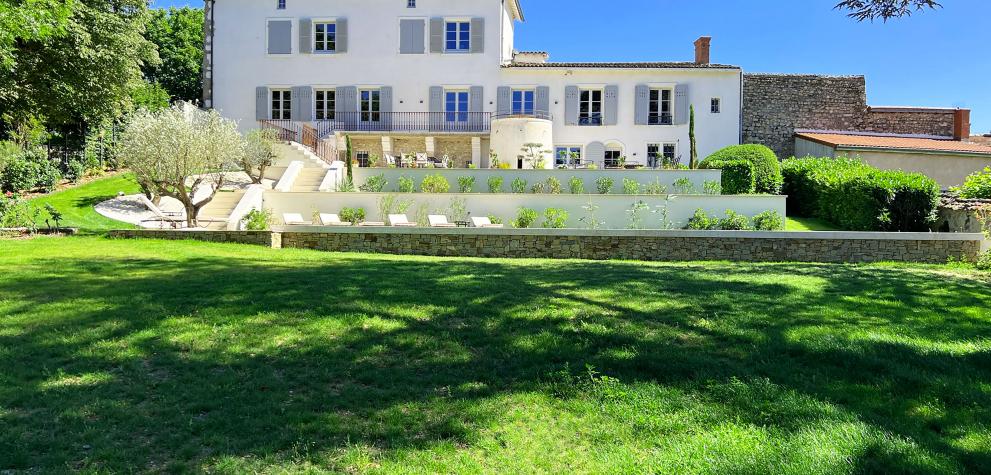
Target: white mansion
(442, 78)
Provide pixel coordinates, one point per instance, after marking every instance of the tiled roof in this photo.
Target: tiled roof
(645, 65)
(850, 141)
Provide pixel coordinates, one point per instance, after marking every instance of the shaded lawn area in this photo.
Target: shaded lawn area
(182, 356)
(76, 204)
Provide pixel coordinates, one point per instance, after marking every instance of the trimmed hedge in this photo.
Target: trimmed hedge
(858, 197)
(738, 176)
(767, 169)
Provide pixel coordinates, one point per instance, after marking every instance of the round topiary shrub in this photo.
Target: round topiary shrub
(767, 169)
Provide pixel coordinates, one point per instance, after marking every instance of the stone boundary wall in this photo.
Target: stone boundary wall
(740, 246)
(775, 105)
(258, 238)
(936, 122)
(648, 245)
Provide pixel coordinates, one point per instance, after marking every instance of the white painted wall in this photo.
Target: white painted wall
(612, 208)
(373, 60)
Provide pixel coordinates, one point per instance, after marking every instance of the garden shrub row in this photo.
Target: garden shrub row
(858, 197)
(26, 169)
(765, 171)
(603, 185)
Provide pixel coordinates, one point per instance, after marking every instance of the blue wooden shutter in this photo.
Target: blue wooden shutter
(572, 95)
(411, 37)
(476, 106)
(504, 101)
(436, 35)
(262, 108)
(280, 37)
(642, 105)
(341, 45)
(346, 110)
(302, 103)
(478, 35)
(681, 104)
(595, 152)
(436, 108)
(385, 100)
(305, 36)
(610, 106)
(542, 102)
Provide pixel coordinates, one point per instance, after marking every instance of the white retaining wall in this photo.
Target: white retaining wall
(612, 208)
(666, 177)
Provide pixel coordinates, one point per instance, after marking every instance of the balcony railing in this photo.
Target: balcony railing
(408, 122)
(529, 115)
(660, 119)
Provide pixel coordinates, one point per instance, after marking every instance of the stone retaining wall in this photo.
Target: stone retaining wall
(259, 238)
(657, 246)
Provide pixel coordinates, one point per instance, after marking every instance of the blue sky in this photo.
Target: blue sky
(937, 58)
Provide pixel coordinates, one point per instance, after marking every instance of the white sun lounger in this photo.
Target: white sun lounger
(400, 220)
(483, 222)
(332, 220)
(295, 219)
(438, 221)
(175, 220)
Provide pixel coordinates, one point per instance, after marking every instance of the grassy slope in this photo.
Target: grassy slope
(76, 204)
(179, 356)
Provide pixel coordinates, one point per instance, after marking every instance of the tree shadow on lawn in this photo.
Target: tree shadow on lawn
(172, 363)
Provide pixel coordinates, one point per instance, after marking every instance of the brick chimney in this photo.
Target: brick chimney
(961, 124)
(702, 49)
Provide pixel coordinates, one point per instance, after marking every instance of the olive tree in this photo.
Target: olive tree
(862, 10)
(259, 153)
(182, 152)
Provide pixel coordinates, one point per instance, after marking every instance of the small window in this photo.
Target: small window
(281, 104)
(590, 107)
(716, 105)
(325, 104)
(410, 3)
(613, 157)
(523, 102)
(325, 37)
(660, 107)
(458, 36)
(363, 158)
(281, 5)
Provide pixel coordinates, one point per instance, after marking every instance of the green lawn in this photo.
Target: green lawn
(149, 356)
(809, 224)
(76, 204)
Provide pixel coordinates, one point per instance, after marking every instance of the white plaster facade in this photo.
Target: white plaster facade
(241, 64)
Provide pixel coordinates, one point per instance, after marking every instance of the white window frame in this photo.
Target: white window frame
(716, 105)
(280, 5)
(591, 119)
(372, 114)
(313, 35)
(462, 23)
(329, 106)
(410, 3)
(523, 102)
(458, 113)
(363, 157)
(661, 149)
(660, 117)
(284, 103)
(567, 160)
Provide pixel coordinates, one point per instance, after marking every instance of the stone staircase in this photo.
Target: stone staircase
(293, 152)
(309, 180)
(215, 214)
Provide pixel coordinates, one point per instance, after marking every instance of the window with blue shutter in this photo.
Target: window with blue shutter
(325, 37)
(370, 105)
(523, 102)
(281, 104)
(590, 107)
(661, 107)
(457, 36)
(325, 104)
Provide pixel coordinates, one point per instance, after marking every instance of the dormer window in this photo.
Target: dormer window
(280, 5)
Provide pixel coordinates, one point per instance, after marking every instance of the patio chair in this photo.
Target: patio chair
(370, 224)
(483, 222)
(295, 219)
(422, 160)
(173, 219)
(400, 220)
(439, 221)
(390, 160)
(332, 220)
